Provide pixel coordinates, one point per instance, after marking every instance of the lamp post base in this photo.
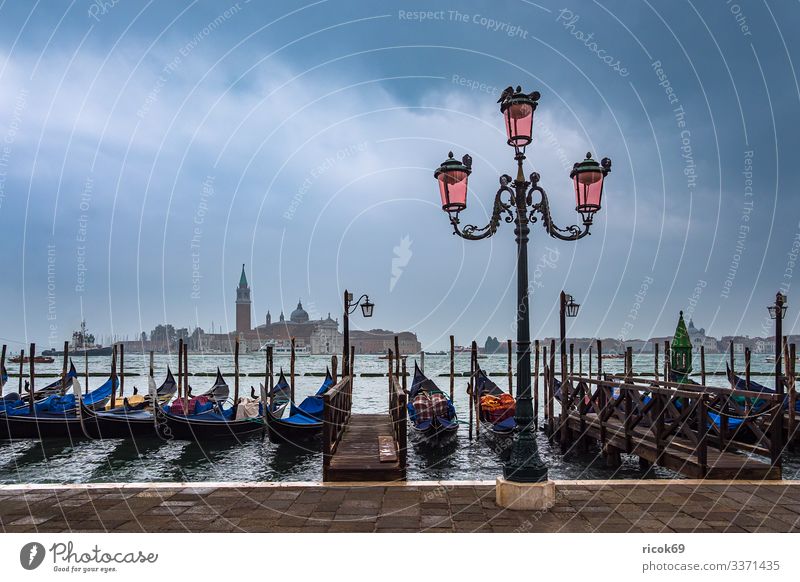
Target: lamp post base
(525, 496)
(524, 465)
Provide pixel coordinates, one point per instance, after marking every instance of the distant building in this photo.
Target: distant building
(699, 338)
(244, 316)
(312, 336)
(379, 341)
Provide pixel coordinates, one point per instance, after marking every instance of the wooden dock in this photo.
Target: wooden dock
(364, 447)
(697, 431)
(359, 457)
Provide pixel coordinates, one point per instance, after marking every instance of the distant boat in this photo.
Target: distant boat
(36, 359)
(82, 345)
(613, 356)
(286, 350)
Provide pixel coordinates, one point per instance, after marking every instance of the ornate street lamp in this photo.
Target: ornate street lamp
(567, 308)
(521, 208)
(777, 311)
(349, 307)
(572, 307)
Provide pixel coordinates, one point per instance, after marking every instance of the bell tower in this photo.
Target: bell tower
(243, 305)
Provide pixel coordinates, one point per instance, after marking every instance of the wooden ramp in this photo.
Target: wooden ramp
(364, 447)
(360, 455)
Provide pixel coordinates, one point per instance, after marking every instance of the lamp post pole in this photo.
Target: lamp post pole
(349, 307)
(562, 330)
(780, 302)
(346, 339)
(525, 464)
(522, 208)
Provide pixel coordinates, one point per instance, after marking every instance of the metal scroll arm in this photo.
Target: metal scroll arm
(354, 304)
(472, 232)
(573, 232)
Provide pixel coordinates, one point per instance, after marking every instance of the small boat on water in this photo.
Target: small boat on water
(205, 419)
(495, 408)
(26, 360)
(130, 420)
(55, 416)
(304, 421)
(432, 414)
(17, 400)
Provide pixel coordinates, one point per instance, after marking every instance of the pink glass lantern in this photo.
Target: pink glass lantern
(588, 178)
(452, 176)
(517, 109)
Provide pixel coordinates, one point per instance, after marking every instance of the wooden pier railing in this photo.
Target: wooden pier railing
(699, 431)
(398, 411)
(338, 404)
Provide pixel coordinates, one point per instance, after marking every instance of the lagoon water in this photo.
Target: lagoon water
(87, 461)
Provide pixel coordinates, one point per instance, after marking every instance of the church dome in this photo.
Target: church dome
(299, 315)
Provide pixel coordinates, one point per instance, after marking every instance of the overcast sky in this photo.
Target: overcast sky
(148, 149)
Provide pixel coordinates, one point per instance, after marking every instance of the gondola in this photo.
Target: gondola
(304, 421)
(128, 421)
(17, 400)
(740, 383)
(206, 420)
(218, 392)
(495, 420)
(55, 416)
(432, 414)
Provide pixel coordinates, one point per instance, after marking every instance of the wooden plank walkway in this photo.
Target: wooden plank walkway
(358, 454)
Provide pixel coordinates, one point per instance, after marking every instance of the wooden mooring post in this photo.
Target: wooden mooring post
(64, 364)
(452, 366)
(180, 370)
(732, 366)
(32, 379)
(235, 376)
(747, 368)
(510, 370)
(655, 358)
(21, 370)
(291, 370)
(551, 399)
(545, 388)
(471, 393)
(114, 376)
(121, 369)
(703, 365)
(792, 389)
(599, 359)
(535, 384)
(475, 394)
(271, 365)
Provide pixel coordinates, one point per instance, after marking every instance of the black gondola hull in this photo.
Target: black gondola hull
(280, 431)
(435, 434)
(100, 426)
(39, 427)
(175, 427)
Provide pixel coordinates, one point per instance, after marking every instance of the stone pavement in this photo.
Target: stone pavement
(582, 506)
